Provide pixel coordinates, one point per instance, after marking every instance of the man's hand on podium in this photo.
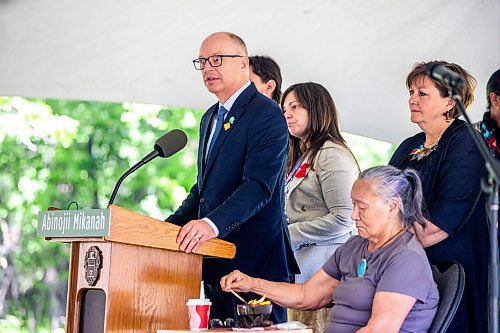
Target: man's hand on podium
(194, 234)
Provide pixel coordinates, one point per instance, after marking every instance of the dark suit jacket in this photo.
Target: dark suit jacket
(240, 188)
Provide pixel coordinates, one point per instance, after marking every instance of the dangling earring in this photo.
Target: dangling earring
(447, 116)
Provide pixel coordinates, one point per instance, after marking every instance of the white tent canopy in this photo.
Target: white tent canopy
(141, 51)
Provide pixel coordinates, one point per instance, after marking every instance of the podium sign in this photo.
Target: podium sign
(74, 223)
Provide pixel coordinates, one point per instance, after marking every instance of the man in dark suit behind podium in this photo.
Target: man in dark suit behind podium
(239, 193)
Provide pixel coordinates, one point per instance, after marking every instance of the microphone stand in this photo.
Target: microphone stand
(136, 166)
(490, 188)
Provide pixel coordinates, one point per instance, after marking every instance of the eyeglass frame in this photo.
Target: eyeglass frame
(197, 60)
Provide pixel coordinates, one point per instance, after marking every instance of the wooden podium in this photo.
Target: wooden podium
(135, 280)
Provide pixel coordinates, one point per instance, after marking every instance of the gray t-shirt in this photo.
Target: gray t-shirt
(400, 267)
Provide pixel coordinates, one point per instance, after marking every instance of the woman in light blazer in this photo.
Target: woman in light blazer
(320, 173)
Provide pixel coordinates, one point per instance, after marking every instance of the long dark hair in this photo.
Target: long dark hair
(323, 123)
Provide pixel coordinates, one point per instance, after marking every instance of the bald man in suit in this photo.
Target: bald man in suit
(239, 193)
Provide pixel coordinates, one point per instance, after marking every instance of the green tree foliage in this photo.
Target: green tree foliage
(369, 152)
(55, 152)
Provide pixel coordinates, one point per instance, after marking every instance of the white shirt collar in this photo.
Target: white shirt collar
(230, 101)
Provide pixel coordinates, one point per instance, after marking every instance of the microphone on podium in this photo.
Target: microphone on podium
(442, 73)
(165, 146)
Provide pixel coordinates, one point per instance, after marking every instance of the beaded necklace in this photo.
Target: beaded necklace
(422, 151)
(363, 264)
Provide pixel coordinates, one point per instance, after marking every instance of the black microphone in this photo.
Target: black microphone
(166, 145)
(442, 73)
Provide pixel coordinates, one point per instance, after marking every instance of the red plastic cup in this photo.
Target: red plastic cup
(199, 313)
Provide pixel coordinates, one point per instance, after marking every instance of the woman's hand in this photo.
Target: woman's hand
(429, 234)
(237, 281)
(314, 294)
(417, 228)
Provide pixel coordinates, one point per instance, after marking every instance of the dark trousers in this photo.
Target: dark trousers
(224, 304)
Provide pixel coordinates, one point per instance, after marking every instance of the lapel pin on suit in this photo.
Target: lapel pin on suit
(302, 171)
(228, 125)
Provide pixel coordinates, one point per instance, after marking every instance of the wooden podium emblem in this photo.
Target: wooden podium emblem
(92, 265)
(134, 279)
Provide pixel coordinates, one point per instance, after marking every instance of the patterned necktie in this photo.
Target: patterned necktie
(220, 119)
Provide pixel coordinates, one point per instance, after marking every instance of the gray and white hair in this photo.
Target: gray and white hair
(404, 186)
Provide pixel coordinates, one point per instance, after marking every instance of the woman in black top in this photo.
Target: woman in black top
(450, 167)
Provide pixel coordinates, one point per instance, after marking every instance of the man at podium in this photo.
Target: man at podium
(239, 193)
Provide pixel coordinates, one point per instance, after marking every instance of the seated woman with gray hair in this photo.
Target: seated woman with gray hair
(379, 280)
